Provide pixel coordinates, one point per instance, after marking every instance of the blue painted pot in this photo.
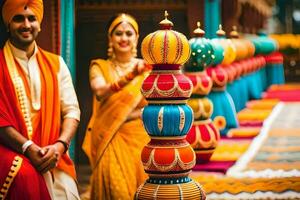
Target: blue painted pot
(167, 120)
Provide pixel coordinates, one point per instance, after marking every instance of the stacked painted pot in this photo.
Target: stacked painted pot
(224, 53)
(168, 157)
(274, 60)
(246, 83)
(237, 86)
(204, 135)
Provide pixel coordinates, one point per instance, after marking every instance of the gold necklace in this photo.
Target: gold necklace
(124, 68)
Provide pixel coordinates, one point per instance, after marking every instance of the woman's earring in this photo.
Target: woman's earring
(134, 50)
(110, 50)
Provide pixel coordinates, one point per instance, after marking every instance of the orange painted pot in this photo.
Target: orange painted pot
(168, 155)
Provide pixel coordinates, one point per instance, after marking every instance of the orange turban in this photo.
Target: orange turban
(13, 7)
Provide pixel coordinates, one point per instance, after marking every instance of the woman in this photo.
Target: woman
(115, 135)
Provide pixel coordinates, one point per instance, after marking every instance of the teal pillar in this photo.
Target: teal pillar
(212, 17)
(67, 26)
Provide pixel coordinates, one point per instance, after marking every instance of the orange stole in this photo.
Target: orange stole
(48, 129)
(50, 106)
(10, 115)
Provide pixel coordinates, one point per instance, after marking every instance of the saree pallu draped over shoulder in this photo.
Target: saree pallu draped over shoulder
(113, 144)
(27, 183)
(15, 169)
(43, 129)
(47, 130)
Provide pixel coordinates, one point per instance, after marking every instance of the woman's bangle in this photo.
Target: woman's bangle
(129, 76)
(115, 86)
(66, 145)
(26, 145)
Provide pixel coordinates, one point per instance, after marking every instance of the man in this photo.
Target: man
(39, 112)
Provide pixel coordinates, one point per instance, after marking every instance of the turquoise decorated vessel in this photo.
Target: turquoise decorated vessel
(167, 120)
(202, 52)
(218, 51)
(264, 45)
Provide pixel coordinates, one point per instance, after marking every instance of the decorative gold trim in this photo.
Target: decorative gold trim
(168, 143)
(156, 92)
(214, 140)
(199, 76)
(182, 118)
(176, 162)
(155, 192)
(167, 101)
(160, 119)
(180, 192)
(155, 72)
(163, 168)
(177, 175)
(187, 165)
(139, 190)
(169, 138)
(19, 88)
(200, 189)
(199, 85)
(216, 80)
(124, 18)
(201, 112)
(169, 147)
(14, 169)
(148, 163)
(197, 135)
(202, 144)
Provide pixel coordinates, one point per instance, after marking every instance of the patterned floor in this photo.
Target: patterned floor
(270, 168)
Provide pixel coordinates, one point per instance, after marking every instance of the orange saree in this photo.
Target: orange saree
(114, 145)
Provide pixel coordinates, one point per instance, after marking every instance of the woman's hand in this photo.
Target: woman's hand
(141, 67)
